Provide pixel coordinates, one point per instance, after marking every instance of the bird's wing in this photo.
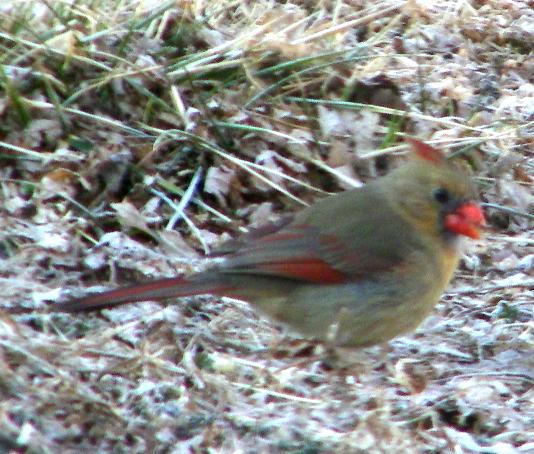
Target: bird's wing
(304, 252)
(347, 237)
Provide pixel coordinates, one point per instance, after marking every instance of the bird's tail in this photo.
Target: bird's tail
(175, 287)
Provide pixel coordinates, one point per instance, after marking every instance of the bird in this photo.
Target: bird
(354, 269)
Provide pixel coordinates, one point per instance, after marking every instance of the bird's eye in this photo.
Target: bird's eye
(442, 195)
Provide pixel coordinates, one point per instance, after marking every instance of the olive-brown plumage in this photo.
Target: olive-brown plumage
(355, 269)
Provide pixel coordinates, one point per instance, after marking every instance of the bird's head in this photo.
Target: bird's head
(436, 194)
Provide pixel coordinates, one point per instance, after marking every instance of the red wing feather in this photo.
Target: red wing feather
(304, 268)
(295, 252)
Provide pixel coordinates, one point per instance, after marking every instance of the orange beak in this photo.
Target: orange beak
(468, 219)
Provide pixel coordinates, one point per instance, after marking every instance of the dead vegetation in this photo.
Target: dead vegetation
(137, 135)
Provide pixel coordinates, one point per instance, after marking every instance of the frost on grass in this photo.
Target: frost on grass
(136, 135)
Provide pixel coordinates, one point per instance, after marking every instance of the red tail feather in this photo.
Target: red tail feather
(151, 291)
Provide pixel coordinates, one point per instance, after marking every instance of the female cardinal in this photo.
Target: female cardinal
(355, 269)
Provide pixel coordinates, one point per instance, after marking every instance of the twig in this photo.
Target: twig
(491, 288)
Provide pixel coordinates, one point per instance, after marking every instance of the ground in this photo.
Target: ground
(136, 136)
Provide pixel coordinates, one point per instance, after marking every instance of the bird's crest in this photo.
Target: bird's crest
(425, 151)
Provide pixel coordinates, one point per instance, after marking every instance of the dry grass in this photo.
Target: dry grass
(136, 134)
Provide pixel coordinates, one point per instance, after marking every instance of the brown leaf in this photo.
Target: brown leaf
(218, 182)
